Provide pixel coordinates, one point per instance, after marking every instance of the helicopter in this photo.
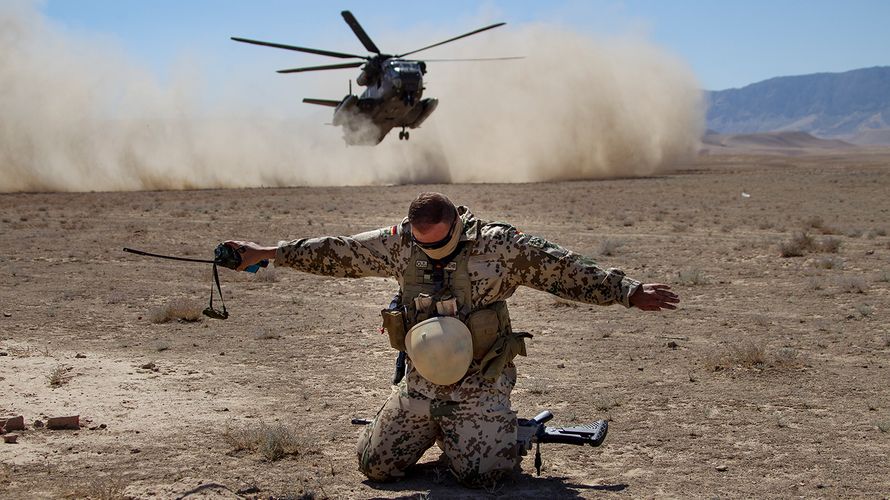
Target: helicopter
(393, 97)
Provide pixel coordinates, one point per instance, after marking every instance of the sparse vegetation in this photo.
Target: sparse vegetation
(272, 442)
(829, 245)
(799, 244)
(181, 309)
(864, 310)
(750, 355)
(829, 262)
(266, 275)
(59, 376)
(102, 488)
(606, 403)
(852, 284)
(692, 276)
(609, 247)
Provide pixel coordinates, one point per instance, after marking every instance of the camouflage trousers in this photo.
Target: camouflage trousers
(477, 436)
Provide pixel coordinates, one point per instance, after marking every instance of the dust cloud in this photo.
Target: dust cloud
(79, 115)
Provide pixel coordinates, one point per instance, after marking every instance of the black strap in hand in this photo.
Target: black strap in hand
(210, 311)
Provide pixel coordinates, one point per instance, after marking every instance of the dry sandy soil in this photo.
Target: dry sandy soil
(771, 380)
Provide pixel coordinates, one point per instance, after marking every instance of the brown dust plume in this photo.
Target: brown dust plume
(80, 115)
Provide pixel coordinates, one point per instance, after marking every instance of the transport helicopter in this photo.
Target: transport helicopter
(393, 95)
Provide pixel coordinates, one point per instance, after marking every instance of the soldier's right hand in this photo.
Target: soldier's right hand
(250, 252)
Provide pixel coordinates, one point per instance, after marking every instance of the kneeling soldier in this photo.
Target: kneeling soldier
(455, 273)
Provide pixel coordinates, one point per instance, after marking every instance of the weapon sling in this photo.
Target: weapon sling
(209, 311)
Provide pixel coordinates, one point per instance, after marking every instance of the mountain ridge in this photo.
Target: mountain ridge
(853, 106)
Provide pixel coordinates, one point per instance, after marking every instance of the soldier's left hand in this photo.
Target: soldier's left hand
(654, 297)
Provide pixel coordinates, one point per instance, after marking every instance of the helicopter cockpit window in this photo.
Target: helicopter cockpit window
(402, 67)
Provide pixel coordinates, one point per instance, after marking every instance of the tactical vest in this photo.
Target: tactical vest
(442, 288)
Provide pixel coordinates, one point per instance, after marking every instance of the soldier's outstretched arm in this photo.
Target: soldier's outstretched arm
(535, 262)
(372, 253)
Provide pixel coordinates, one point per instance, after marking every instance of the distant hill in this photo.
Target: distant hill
(783, 143)
(853, 106)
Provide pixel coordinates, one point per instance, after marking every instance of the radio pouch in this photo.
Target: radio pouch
(484, 327)
(394, 324)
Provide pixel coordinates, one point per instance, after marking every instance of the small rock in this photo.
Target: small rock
(70, 422)
(4, 353)
(148, 366)
(16, 423)
(561, 365)
(10, 438)
(135, 450)
(722, 468)
(102, 426)
(80, 356)
(38, 424)
(7, 315)
(673, 345)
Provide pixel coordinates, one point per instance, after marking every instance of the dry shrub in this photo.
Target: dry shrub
(272, 442)
(181, 309)
(852, 284)
(786, 358)
(829, 245)
(864, 310)
(748, 355)
(691, 276)
(800, 244)
(829, 262)
(101, 488)
(610, 247)
(818, 225)
(59, 376)
(266, 275)
(752, 356)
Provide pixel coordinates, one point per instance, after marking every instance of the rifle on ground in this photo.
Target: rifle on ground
(223, 255)
(533, 432)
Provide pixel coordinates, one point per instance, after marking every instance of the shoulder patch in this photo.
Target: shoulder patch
(389, 231)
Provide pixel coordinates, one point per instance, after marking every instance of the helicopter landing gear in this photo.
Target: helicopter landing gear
(404, 135)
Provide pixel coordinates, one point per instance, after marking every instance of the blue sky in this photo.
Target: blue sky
(727, 44)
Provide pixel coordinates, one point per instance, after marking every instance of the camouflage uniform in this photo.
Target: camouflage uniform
(472, 417)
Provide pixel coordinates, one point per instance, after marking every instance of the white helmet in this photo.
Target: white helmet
(441, 349)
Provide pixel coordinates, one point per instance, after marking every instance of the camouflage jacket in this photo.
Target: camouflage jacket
(501, 259)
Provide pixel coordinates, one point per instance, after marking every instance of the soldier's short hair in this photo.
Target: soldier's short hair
(430, 208)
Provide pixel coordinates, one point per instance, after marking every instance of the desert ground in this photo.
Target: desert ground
(770, 380)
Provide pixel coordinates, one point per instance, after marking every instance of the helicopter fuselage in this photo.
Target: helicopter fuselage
(393, 97)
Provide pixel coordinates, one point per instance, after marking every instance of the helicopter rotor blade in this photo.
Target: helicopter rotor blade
(480, 30)
(299, 49)
(476, 59)
(359, 31)
(322, 68)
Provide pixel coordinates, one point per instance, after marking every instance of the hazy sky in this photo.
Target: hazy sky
(727, 44)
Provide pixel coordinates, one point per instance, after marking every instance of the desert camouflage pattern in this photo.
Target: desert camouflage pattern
(479, 429)
(477, 436)
(502, 258)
